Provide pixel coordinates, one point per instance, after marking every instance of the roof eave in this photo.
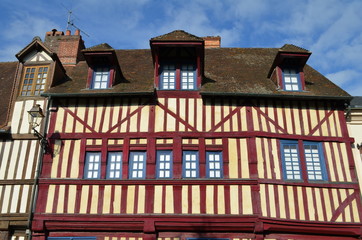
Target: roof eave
(98, 94)
(317, 97)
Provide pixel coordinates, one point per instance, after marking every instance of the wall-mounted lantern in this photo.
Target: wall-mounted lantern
(35, 117)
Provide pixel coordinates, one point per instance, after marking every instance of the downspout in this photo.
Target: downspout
(34, 193)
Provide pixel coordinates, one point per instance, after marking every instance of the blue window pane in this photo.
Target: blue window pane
(190, 164)
(291, 162)
(71, 238)
(188, 79)
(168, 77)
(314, 161)
(100, 78)
(92, 168)
(164, 164)
(214, 165)
(114, 165)
(137, 165)
(291, 80)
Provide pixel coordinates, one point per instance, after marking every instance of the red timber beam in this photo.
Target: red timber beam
(155, 224)
(236, 134)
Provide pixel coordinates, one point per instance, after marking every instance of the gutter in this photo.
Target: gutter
(105, 94)
(214, 94)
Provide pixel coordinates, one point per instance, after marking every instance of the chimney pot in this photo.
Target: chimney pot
(77, 32)
(67, 33)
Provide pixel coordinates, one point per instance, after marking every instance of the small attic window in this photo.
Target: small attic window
(178, 76)
(34, 80)
(291, 79)
(101, 77)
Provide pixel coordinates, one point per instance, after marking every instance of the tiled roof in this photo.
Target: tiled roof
(99, 47)
(177, 35)
(293, 48)
(356, 102)
(227, 71)
(7, 74)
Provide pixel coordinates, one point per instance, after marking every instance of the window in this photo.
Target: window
(315, 163)
(168, 77)
(34, 80)
(100, 78)
(137, 165)
(164, 164)
(190, 164)
(92, 168)
(178, 76)
(291, 80)
(71, 238)
(290, 153)
(114, 165)
(214, 165)
(314, 166)
(207, 238)
(188, 81)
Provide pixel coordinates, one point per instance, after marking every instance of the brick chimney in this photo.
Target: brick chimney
(212, 41)
(68, 47)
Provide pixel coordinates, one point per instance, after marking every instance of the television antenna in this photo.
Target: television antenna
(70, 22)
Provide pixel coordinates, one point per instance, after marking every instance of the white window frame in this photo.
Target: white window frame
(92, 166)
(101, 78)
(190, 164)
(164, 164)
(137, 165)
(114, 165)
(214, 164)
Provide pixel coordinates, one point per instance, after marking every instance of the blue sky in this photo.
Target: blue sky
(330, 29)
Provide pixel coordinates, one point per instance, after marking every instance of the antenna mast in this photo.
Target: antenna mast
(70, 22)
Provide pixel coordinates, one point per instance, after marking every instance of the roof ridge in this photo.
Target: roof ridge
(177, 35)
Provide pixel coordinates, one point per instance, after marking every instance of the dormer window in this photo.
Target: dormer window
(178, 59)
(178, 76)
(291, 80)
(101, 78)
(287, 69)
(34, 80)
(104, 71)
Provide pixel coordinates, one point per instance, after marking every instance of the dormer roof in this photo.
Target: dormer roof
(100, 47)
(294, 49)
(36, 45)
(101, 50)
(289, 52)
(177, 35)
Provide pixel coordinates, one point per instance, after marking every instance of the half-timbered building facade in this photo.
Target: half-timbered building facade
(188, 140)
(22, 83)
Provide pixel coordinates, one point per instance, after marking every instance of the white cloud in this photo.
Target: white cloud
(347, 80)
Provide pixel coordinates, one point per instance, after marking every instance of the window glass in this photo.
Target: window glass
(100, 78)
(214, 164)
(291, 80)
(137, 165)
(92, 168)
(34, 80)
(314, 162)
(168, 77)
(114, 165)
(188, 77)
(178, 76)
(290, 156)
(190, 164)
(164, 164)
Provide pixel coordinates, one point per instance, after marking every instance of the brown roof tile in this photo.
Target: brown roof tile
(7, 74)
(293, 48)
(227, 71)
(177, 35)
(99, 47)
